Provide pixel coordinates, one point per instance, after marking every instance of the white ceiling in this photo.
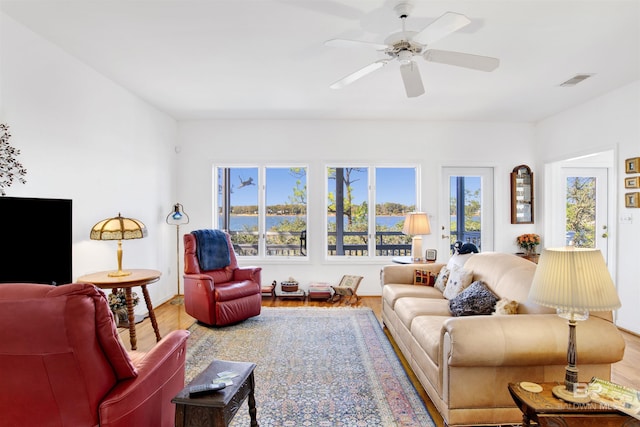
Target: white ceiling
(266, 58)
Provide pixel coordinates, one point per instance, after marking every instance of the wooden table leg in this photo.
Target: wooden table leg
(252, 401)
(132, 319)
(152, 315)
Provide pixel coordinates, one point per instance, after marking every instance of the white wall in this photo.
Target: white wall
(610, 122)
(316, 142)
(85, 138)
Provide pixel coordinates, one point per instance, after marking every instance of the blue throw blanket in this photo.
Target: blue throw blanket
(212, 249)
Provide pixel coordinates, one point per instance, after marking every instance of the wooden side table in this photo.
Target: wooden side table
(219, 408)
(138, 277)
(545, 409)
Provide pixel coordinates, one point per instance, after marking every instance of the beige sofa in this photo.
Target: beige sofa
(465, 363)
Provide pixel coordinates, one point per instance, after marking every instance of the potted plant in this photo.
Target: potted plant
(528, 243)
(118, 305)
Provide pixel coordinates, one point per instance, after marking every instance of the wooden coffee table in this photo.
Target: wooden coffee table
(217, 409)
(545, 409)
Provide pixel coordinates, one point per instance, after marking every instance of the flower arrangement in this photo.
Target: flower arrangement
(118, 301)
(528, 242)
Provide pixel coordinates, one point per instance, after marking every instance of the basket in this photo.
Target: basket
(289, 286)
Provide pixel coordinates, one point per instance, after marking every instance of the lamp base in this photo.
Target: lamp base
(561, 392)
(119, 273)
(416, 248)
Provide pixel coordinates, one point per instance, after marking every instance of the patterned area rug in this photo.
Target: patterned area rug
(315, 367)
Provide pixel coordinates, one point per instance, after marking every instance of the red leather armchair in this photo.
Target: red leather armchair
(62, 363)
(220, 297)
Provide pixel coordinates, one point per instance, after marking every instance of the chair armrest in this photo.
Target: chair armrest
(197, 277)
(146, 399)
(527, 340)
(248, 273)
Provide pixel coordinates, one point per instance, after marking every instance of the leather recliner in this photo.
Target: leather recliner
(223, 296)
(63, 364)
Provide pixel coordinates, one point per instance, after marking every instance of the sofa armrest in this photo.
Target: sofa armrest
(248, 273)
(527, 339)
(146, 399)
(403, 273)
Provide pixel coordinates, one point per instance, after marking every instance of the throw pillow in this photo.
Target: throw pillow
(506, 306)
(458, 259)
(459, 280)
(424, 278)
(441, 281)
(476, 299)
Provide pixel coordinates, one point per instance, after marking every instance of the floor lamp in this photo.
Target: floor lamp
(178, 217)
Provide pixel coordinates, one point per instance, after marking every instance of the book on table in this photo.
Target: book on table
(624, 399)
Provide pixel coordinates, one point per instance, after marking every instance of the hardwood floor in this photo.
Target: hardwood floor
(171, 316)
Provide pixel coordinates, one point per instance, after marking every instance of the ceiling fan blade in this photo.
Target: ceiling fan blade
(412, 80)
(347, 80)
(354, 43)
(441, 27)
(459, 59)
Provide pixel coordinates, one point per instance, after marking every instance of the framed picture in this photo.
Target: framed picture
(633, 182)
(632, 200)
(632, 165)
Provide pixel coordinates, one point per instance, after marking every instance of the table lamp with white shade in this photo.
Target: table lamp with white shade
(416, 224)
(574, 281)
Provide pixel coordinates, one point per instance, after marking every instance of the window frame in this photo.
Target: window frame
(262, 208)
(371, 201)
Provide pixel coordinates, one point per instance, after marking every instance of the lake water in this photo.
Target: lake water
(238, 222)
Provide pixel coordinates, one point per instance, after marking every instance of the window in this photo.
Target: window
(264, 209)
(350, 221)
(468, 203)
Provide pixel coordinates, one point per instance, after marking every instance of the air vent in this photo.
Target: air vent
(576, 79)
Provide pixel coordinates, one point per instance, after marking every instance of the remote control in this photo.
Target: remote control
(198, 390)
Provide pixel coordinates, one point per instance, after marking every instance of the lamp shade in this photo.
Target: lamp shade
(118, 228)
(177, 216)
(416, 223)
(573, 280)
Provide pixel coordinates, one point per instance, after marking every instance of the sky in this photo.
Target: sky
(393, 184)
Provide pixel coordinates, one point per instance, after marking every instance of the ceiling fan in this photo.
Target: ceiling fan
(405, 45)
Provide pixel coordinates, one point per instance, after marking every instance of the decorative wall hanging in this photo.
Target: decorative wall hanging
(632, 165)
(10, 168)
(633, 182)
(522, 195)
(632, 200)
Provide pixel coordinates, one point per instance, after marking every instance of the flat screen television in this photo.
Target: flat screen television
(36, 240)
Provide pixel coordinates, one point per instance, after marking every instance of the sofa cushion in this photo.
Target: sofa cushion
(408, 309)
(426, 331)
(476, 299)
(391, 293)
(459, 279)
(443, 277)
(424, 277)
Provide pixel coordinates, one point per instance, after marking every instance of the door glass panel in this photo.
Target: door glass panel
(581, 211)
(465, 210)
